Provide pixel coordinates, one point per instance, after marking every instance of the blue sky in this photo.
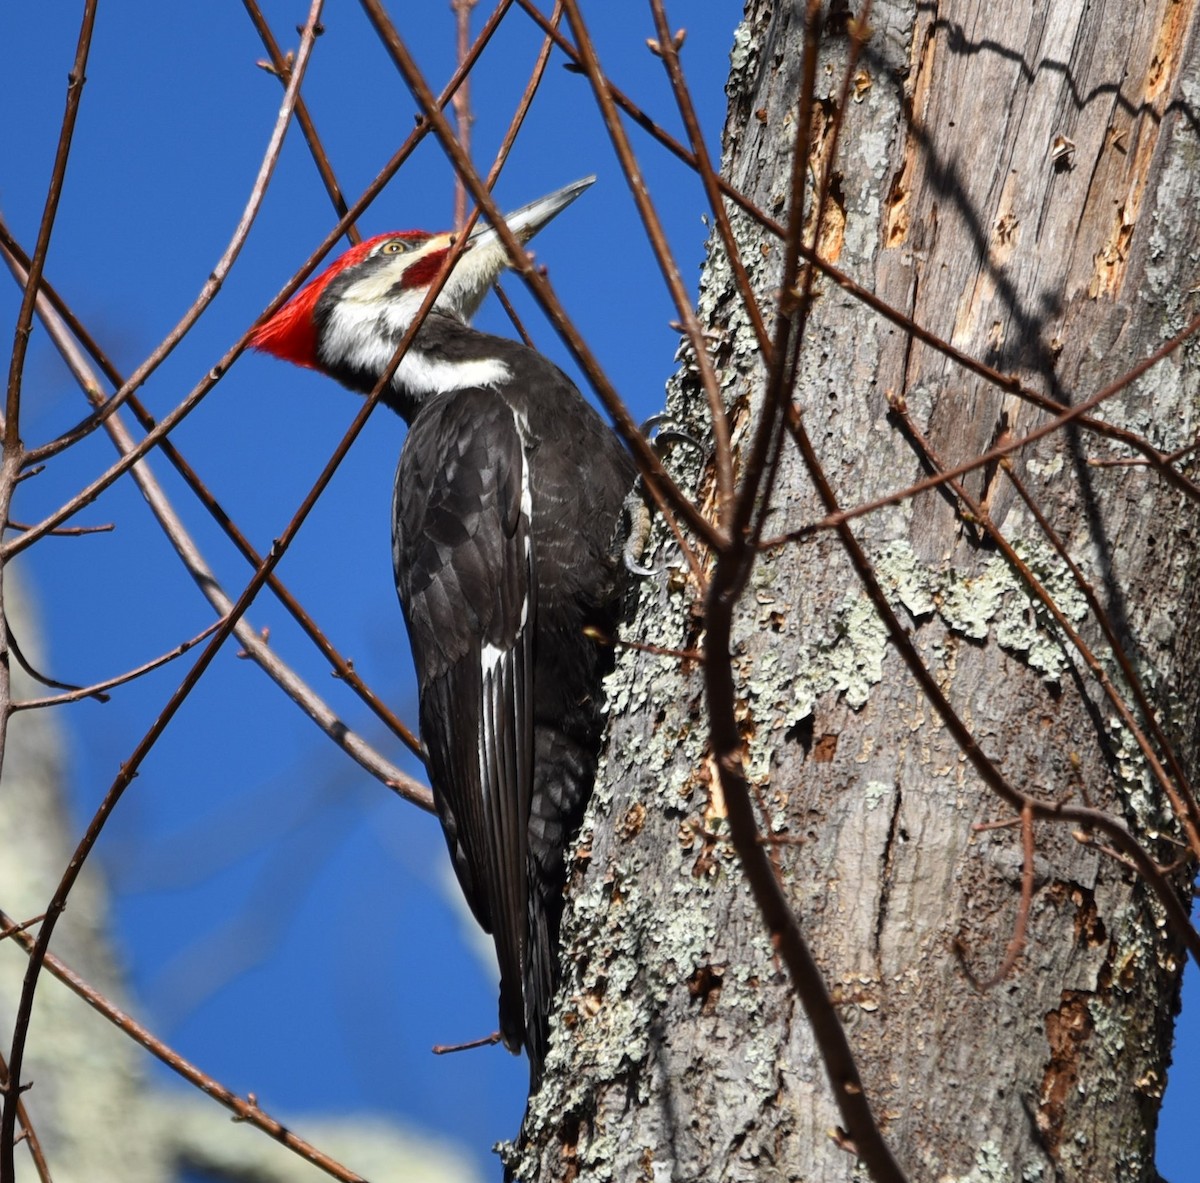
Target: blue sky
(276, 908)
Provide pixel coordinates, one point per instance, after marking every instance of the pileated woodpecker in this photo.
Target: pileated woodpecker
(507, 501)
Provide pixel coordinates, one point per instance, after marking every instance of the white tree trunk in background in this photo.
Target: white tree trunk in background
(96, 1112)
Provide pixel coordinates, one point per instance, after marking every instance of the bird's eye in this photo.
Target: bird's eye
(396, 247)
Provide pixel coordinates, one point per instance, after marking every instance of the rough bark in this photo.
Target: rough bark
(682, 1053)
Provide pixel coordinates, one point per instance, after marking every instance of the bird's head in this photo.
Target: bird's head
(348, 321)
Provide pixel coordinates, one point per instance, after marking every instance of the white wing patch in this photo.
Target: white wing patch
(526, 504)
(504, 671)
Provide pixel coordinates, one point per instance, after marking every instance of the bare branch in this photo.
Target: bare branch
(718, 417)
(281, 67)
(463, 115)
(728, 580)
(211, 286)
(75, 82)
(27, 1134)
(96, 689)
(246, 1110)
(1017, 941)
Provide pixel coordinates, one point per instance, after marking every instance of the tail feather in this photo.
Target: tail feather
(512, 1015)
(563, 774)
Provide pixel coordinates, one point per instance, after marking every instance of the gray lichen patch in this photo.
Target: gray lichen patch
(905, 578)
(875, 792)
(848, 657)
(990, 1167)
(998, 602)
(842, 651)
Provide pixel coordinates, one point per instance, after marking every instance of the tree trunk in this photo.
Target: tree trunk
(1021, 180)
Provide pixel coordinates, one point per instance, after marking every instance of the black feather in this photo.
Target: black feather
(507, 501)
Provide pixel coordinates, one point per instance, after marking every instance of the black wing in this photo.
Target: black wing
(464, 562)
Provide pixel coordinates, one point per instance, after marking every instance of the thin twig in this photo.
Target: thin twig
(760, 461)
(668, 49)
(16, 365)
(763, 500)
(13, 459)
(32, 671)
(656, 236)
(247, 1111)
(518, 119)
(64, 531)
(11, 929)
(1178, 774)
(281, 67)
(463, 115)
(1136, 462)
(511, 312)
(1017, 941)
(27, 1135)
(96, 689)
(446, 1049)
(729, 576)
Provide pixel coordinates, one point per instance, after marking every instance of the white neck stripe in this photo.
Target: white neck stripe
(352, 338)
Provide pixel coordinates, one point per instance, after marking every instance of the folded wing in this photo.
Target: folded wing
(464, 563)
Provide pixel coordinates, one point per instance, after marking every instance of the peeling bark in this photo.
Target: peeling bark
(1022, 180)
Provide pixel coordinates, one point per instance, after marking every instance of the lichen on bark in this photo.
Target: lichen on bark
(681, 1052)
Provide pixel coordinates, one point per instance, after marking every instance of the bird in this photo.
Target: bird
(506, 544)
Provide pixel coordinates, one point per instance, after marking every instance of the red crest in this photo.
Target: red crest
(291, 334)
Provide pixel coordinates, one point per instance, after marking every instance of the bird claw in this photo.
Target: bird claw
(659, 430)
(638, 513)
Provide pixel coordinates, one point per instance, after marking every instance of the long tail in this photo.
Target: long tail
(563, 775)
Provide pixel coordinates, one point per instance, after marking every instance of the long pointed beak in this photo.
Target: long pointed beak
(480, 265)
(529, 219)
